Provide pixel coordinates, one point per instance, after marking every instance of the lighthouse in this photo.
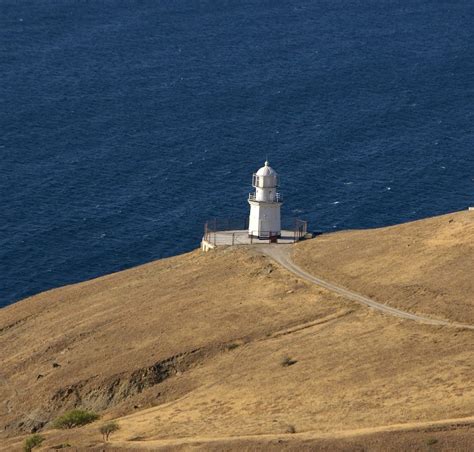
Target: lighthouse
(265, 203)
(264, 222)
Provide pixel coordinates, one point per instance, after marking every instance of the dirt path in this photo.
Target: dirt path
(281, 254)
(237, 442)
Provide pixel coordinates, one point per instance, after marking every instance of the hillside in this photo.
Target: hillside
(188, 351)
(425, 267)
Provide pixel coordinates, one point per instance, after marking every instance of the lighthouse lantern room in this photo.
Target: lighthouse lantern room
(265, 203)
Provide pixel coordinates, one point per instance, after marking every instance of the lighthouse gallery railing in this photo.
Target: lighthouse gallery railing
(277, 198)
(215, 225)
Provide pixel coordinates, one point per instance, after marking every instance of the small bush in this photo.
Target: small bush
(291, 429)
(75, 418)
(287, 361)
(61, 446)
(136, 438)
(431, 441)
(108, 429)
(33, 441)
(232, 346)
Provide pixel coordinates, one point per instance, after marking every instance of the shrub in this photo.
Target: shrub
(290, 429)
(136, 438)
(108, 429)
(287, 361)
(33, 441)
(431, 441)
(232, 346)
(75, 418)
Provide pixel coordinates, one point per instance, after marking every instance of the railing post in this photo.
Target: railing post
(233, 238)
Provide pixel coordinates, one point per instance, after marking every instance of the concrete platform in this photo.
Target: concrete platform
(241, 237)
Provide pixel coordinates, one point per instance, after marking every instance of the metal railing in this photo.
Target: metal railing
(277, 198)
(301, 229)
(233, 226)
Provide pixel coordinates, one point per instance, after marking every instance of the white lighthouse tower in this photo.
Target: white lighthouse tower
(265, 203)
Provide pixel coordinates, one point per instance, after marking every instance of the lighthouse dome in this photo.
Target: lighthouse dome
(266, 170)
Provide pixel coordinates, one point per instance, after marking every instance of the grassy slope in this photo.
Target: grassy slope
(425, 266)
(226, 320)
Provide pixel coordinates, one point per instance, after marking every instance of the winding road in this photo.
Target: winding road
(281, 254)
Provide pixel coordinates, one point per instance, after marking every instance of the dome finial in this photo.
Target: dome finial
(266, 162)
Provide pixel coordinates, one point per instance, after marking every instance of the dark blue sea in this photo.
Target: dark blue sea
(126, 124)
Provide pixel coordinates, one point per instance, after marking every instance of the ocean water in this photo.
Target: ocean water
(126, 124)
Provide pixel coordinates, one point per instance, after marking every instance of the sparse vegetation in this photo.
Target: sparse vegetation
(250, 388)
(108, 428)
(287, 361)
(61, 446)
(75, 418)
(33, 441)
(291, 429)
(136, 438)
(232, 346)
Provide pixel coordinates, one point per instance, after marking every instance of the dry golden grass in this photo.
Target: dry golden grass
(188, 352)
(425, 267)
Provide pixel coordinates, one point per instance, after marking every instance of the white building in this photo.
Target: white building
(265, 203)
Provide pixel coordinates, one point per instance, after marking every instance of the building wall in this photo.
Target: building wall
(264, 218)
